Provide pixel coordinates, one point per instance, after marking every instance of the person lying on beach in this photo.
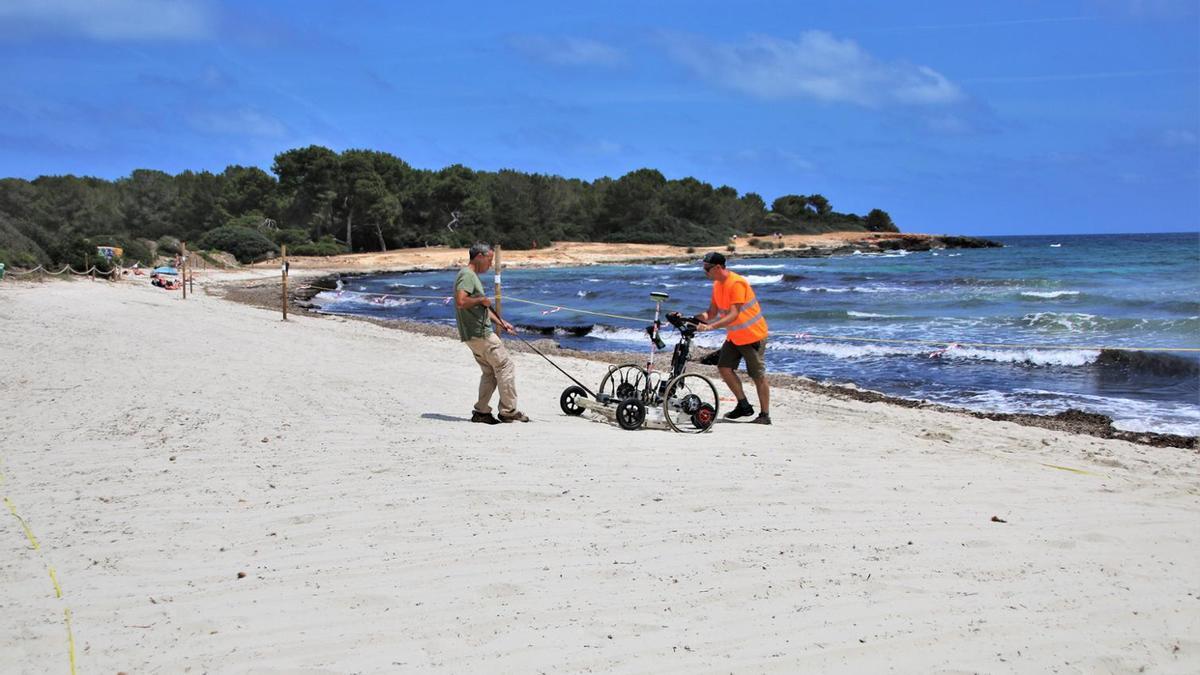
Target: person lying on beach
(473, 313)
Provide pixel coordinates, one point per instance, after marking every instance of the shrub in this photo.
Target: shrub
(691, 249)
(18, 259)
(325, 247)
(291, 237)
(168, 245)
(731, 248)
(245, 244)
(76, 252)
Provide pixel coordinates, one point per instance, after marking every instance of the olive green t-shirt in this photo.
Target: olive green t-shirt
(473, 322)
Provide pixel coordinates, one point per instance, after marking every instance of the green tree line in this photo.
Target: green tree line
(320, 202)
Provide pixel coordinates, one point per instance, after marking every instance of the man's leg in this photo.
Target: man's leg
(764, 394)
(727, 362)
(757, 370)
(487, 379)
(505, 374)
(733, 382)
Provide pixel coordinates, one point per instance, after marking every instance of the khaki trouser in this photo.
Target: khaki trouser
(497, 369)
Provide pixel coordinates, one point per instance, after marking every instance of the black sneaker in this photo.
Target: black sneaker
(763, 418)
(483, 418)
(743, 409)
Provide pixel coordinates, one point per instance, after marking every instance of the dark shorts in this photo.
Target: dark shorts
(731, 355)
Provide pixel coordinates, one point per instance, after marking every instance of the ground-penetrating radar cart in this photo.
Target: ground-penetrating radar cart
(637, 396)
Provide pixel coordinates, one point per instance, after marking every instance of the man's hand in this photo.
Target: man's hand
(508, 327)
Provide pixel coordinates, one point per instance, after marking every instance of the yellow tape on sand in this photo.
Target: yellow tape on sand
(1067, 468)
(33, 542)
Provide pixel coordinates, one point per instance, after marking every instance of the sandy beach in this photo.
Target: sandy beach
(215, 490)
(576, 253)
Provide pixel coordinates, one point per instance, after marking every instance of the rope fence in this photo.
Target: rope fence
(66, 269)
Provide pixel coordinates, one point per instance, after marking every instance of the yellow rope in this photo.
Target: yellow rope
(579, 311)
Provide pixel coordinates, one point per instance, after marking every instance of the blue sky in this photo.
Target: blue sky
(962, 117)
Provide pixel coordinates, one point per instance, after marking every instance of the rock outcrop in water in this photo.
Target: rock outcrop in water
(877, 243)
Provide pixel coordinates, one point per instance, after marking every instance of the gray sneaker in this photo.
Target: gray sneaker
(763, 418)
(517, 416)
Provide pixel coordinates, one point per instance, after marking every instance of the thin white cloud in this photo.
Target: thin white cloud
(1178, 138)
(568, 51)
(816, 66)
(978, 24)
(244, 122)
(110, 20)
(1067, 77)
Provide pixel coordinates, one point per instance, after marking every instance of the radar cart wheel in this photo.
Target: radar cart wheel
(690, 403)
(569, 401)
(631, 414)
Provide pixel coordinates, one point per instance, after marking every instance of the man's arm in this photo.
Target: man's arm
(508, 327)
(464, 301)
(708, 313)
(724, 320)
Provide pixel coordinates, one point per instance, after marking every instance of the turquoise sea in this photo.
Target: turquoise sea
(832, 318)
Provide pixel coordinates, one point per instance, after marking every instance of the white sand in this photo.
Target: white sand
(156, 448)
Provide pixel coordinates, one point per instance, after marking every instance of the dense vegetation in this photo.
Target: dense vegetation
(320, 202)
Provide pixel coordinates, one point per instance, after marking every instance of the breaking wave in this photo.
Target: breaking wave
(1048, 295)
(764, 278)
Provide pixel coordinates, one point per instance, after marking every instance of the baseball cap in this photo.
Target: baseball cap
(714, 258)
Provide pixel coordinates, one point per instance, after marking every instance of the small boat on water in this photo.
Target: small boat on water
(1055, 245)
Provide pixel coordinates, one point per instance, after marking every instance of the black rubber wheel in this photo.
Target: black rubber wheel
(704, 417)
(622, 382)
(631, 414)
(690, 403)
(626, 390)
(569, 401)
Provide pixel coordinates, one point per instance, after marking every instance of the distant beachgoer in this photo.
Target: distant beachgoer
(735, 308)
(473, 314)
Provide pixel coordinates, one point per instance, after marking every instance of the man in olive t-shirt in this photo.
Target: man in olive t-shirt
(473, 314)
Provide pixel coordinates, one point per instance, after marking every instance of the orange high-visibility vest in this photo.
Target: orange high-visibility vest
(750, 325)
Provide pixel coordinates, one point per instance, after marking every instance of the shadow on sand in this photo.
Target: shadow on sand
(444, 418)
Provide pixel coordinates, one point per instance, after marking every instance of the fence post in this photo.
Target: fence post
(497, 263)
(284, 271)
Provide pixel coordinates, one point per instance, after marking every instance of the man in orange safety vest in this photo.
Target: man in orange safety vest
(735, 308)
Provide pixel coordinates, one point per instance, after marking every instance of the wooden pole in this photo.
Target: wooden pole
(497, 264)
(91, 269)
(284, 271)
(182, 271)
